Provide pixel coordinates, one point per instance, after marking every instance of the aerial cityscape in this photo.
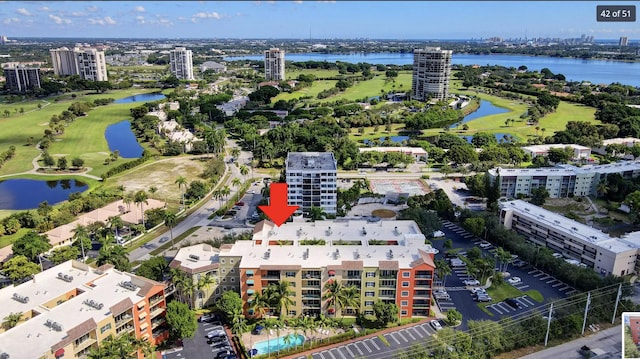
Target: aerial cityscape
(319, 180)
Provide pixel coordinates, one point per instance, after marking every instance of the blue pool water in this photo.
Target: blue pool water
(275, 344)
(120, 137)
(147, 97)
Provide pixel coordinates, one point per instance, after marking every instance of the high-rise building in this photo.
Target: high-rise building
(181, 62)
(431, 72)
(72, 308)
(624, 41)
(22, 79)
(312, 181)
(274, 65)
(86, 62)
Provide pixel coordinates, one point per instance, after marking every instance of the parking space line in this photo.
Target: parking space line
(341, 353)
(409, 334)
(321, 355)
(373, 342)
(417, 332)
(424, 329)
(557, 285)
(349, 350)
(366, 346)
(551, 281)
(504, 307)
(522, 287)
(358, 349)
(528, 301)
(496, 309)
(331, 354)
(392, 337)
(402, 336)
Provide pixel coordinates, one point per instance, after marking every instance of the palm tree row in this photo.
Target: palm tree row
(340, 297)
(122, 346)
(186, 289)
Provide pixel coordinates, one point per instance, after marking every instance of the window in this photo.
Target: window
(105, 328)
(224, 270)
(369, 294)
(371, 274)
(371, 284)
(368, 312)
(404, 294)
(233, 279)
(368, 303)
(224, 280)
(406, 274)
(290, 274)
(405, 284)
(404, 303)
(293, 313)
(403, 312)
(230, 261)
(233, 270)
(222, 261)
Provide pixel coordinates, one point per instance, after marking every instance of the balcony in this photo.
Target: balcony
(157, 323)
(421, 294)
(124, 320)
(83, 345)
(270, 277)
(311, 296)
(155, 300)
(156, 311)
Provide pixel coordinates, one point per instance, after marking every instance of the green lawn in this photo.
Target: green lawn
(313, 91)
(369, 132)
(84, 137)
(318, 73)
(374, 86)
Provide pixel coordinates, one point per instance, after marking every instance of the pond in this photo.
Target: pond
(146, 97)
(120, 137)
(394, 139)
(501, 137)
(486, 108)
(19, 194)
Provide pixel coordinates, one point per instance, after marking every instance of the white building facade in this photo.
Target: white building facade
(86, 62)
(431, 73)
(312, 181)
(181, 63)
(274, 65)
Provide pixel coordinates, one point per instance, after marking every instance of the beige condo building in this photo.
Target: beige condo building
(88, 63)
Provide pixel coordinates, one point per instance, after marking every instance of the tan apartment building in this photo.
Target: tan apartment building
(86, 62)
(71, 308)
(431, 73)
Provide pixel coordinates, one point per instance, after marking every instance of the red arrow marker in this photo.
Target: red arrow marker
(278, 209)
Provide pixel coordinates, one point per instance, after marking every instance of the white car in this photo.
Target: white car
(438, 234)
(484, 244)
(436, 324)
(471, 282)
(514, 280)
(478, 290)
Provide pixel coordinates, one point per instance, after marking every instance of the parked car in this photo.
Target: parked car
(224, 354)
(514, 280)
(257, 330)
(519, 263)
(216, 333)
(484, 244)
(557, 255)
(483, 298)
(513, 303)
(457, 262)
(438, 234)
(477, 290)
(471, 282)
(441, 294)
(239, 204)
(436, 324)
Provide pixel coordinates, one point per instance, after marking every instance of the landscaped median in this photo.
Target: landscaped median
(503, 291)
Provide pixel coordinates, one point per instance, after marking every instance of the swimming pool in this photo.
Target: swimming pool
(275, 344)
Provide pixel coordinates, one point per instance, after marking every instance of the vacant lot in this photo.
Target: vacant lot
(161, 174)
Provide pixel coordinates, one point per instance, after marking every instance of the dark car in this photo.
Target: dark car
(224, 354)
(258, 330)
(239, 204)
(513, 303)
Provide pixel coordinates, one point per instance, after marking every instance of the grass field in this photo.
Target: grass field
(370, 133)
(313, 91)
(318, 73)
(371, 88)
(82, 138)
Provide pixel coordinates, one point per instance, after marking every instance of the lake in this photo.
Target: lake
(596, 71)
(394, 139)
(120, 137)
(146, 97)
(499, 136)
(20, 194)
(486, 108)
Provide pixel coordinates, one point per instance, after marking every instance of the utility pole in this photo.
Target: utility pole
(615, 308)
(586, 309)
(546, 338)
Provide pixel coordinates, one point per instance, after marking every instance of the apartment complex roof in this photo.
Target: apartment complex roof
(407, 150)
(350, 244)
(567, 170)
(198, 258)
(301, 161)
(575, 229)
(546, 148)
(74, 303)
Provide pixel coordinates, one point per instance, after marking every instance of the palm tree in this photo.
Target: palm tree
(352, 298)
(226, 191)
(170, 220)
(504, 258)
(244, 170)
(260, 305)
(141, 198)
(443, 270)
(153, 190)
(121, 188)
(603, 188)
(334, 295)
(114, 254)
(316, 213)
(235, 152)
(537, 129)
(11, 320)
(205, 283)
(543, 131)
(81, 235)
(280, 296)
(237, 183)
(182, 182)
(127, 199)
(238, 324)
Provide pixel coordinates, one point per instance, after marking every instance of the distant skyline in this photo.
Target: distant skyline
(309, 19)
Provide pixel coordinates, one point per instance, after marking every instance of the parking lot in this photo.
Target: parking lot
(198, 346)
(460, 296)
(398, 341)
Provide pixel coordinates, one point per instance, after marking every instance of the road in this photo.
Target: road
(199, 217)
(609, 340)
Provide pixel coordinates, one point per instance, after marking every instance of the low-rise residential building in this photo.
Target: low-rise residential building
(627, 141)
(560, 181)
(71, 308)
(418, 153)
(579, 152)
(572, 239)
(197, 262)
(216, 67)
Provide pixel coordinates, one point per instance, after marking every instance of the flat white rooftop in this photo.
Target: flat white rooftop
(357, 240)
(620, 141)
(197, 258)
(573, 228)
(545, 148)
(568, 170)
(311, 161)
(32, 338)
(407, 150)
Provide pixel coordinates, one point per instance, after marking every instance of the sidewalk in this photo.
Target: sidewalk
(346, 342)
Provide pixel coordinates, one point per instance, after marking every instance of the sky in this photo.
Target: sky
(305, 19)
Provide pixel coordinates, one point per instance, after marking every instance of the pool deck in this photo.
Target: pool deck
(250, 339)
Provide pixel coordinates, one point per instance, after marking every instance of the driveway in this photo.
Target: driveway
(196, 347)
